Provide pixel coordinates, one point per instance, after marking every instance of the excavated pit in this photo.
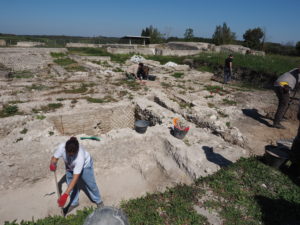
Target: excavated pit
(95, 122)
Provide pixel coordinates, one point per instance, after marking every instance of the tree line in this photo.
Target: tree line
(252, 38)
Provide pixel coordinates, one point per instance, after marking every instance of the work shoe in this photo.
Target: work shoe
(278, 126)
(100, 205)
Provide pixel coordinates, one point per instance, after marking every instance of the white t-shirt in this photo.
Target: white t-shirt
(82, 160)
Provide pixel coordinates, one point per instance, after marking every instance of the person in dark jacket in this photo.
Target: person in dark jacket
(228, 69)
(285, 83)
(142, 72)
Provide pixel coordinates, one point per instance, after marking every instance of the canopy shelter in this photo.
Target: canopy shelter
(142, 38)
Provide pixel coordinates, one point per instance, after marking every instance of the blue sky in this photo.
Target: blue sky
(280, 18)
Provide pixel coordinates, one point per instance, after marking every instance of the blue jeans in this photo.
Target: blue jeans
(88, 178)
(227, 75)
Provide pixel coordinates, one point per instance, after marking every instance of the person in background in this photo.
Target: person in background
(142, 72)
(228, 69)
(283, 85)
(79, 165)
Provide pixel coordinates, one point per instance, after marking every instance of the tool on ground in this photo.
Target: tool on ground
(58, 193)
(91, 138)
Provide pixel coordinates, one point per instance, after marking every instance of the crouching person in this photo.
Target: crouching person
(79, 165)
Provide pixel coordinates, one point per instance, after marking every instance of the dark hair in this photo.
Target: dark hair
(230, 55)
(72, 145)
(141, 64)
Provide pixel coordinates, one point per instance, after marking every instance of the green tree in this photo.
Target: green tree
(153, 33)
(223, 35)
(298, 48)
(189, 34)
(253, 38)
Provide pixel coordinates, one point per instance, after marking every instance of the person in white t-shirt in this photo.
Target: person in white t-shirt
(79, 165)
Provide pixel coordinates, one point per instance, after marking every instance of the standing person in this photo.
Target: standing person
(228, 69)
(282, 87)
(79, 165)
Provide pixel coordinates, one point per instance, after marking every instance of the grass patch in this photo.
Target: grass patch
(205, 69)
(227, 101)
(22, 74)
(77, 219)
(106, 99)
(177, 75)
(211, 105)
(58, 54)
(69, 64)
(9, 110)
(118, 58)
(48, 108)
(254, 193)
(129, 84)
(82, 89)
(24, 131)
(64, 61)
(40, 117)
(38, 87)
(165, 59)
(75, 67)
(269, 64)
(171, 207)
(215, 89)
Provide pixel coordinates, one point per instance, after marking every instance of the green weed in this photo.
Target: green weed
(48, 108)
(22, 74)
(57, 54)
(222, 114)
(38, 87)
(229, 102)
(64, 61)
(106, 99)
(177, 75)
(130, 84)
(40, 117)
(24, 131)
(9, 110)
(83, 88)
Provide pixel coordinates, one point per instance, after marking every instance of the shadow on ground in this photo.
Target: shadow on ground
(254, 114)
(215, 157)
(278, 211)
